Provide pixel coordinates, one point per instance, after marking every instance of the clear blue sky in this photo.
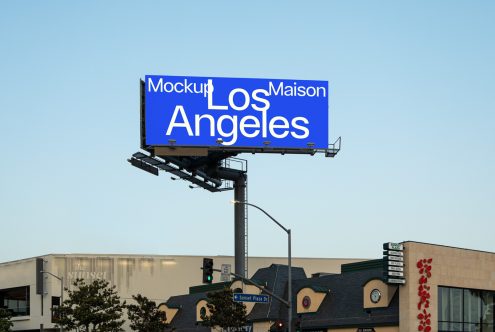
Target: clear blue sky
(412, 93)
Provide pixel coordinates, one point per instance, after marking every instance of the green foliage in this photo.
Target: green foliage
(224, 311)
(5, 323)
(91, 307)
(145, 316)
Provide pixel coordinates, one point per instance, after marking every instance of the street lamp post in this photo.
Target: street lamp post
(61, 279)
(289, 291)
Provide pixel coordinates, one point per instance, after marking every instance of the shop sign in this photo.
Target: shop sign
(393, 252)
(393, 263)
(365, 329)
(396, 281)
(393, 246)
(395, 258)
(86, 275)
(396, 268)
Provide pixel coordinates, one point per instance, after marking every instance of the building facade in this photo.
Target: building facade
(458, 292)
(154, 276)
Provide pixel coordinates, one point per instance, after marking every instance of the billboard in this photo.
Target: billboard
(246, 113)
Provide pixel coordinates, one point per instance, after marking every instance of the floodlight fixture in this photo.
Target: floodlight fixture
(144, 166)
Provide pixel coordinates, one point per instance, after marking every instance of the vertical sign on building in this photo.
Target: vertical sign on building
(40, 282)
(393, 263)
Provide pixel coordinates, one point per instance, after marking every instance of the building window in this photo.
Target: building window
(465, 310)
(16, 300)
(306, 302)
(55, 305)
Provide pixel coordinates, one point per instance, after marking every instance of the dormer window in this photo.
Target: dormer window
(377, 294)
(310, 298)
(306, 302)
(201, 310)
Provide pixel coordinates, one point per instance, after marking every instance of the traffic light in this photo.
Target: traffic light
(207, 270)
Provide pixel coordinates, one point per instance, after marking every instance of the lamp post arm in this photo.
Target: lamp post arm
(53, 275)
(267, 214)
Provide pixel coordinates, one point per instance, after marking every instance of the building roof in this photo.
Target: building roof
(343, 306)
(275, 277)
(185, 319)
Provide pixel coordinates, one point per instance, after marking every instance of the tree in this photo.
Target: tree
(145, 316)
(5, 323)
(224, 311)
(91, 307)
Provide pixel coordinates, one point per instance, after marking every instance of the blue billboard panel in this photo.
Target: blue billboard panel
(236, 112)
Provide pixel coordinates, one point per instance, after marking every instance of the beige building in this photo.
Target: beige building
(459, 290)
(155, 276)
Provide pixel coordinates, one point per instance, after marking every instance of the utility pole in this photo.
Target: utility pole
(289, 258)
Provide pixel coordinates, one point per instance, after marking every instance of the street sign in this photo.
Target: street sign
(225, 274)
(186, 111)
(241, 297)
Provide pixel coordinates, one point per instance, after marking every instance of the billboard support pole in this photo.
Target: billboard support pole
(240, 225)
